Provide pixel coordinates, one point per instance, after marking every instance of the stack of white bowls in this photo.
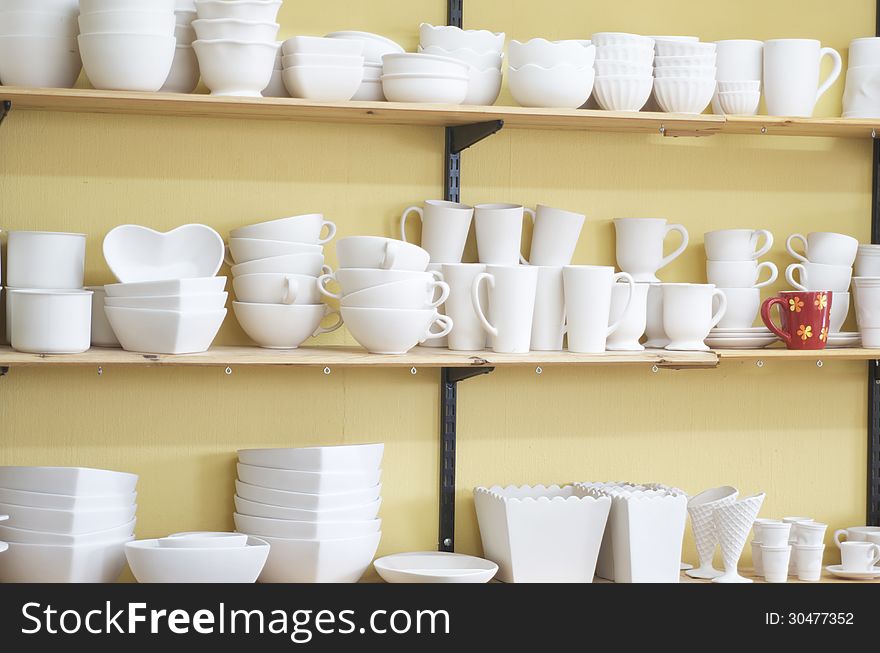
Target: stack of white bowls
(127, 46)
(481, 50)
(169, 300)
(861, 97)
(556, 74)
(317, 507)
(684, 75)
(322, 69)
(184, 75)
(420, 77)
(38, 45)
(375, 46)
(624, 75)
(276, 87)
(275, 265)
(388, 301)
(236, 45)
(66, 524)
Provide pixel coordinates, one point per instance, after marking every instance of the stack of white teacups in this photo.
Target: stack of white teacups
(321, 68)
(481, 50)
(552, 74)
(236, 45)
(684, 75)
(374, 47)
(169, 300)
(859, 552)
(128, 46)
(317, 507)
(184, 75)
(861, 97)
(274, 268)
(739, 71)
(624, 74)
(420, 77)
(388, 301)
(66, 524)
(38, 43)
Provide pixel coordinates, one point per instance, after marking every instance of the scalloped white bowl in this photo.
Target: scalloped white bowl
(257, 10)
(449, 37)
(562, 86)
(484, 87)
(236, 68)
(602, 39)
(479, 60)
(212, 29)
(622, 92)
(548, 54)
(684, 95)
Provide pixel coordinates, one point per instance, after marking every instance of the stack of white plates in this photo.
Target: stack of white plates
(66, 524)
(750, 338)
(317, 507)
(843, 340)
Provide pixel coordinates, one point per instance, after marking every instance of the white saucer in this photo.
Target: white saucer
(836, 570)
(730, 331)
(744, 342)
(844, 339)
(435, 567)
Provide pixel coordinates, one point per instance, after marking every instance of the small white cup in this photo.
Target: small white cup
(499, 232)
(554, 237)
(808, 561)
(775, 560)
(688, 316)
(737, 244)
(819, 276)
(445, 227)
(775, 534)
(740, 274)
(859, 556)
(824, 247)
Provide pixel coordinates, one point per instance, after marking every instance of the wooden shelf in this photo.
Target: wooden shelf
(780, 353)
(393, 113)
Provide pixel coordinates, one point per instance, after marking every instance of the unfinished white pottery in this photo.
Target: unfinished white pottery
(701, 509)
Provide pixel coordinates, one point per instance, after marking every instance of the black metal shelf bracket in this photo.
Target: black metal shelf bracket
(460, 138)
(4, 371)
(873, 489)
(5, 108)
(449, 379)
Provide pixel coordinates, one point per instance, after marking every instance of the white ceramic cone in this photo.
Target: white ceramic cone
(701, 508)
(733, 523)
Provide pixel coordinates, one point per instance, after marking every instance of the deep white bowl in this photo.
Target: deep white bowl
(283, 326)
(348, 513)
(687, 60)
(236, 68)
(186, 303)
(264, 11)
(39, 61)
(184, 75)
(423, 64)
(195, 286)
(306, 501)
(549, 54)
(70, 481)
(25, 536)
(308, 482)
(127, 22)
(740, 103)
(339, 458)
(374, 46)
(449, 37)
(683, 48)
(479, 60)
(65, 501)
(436, 89)
(164, 332)
(323, 45)
(631, 53)
(693, 72)
(127, 62)
(152, 563)
(622, 92)
(484, 87)
(101, 562)
(67, 522)
(304, 530)
(159, 6)
(563, 86)
(323, 83)
(38, 23)
(304, 59)
(233, 29)
(684, 95)
(613, 67)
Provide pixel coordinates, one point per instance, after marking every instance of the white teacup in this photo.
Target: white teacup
(309, 264)
(510, 306)
(740, 274)
(775, 560)
(808, 561)
(414, 293)
(283, 326)
(743, 305)
(640, 246)
(656, 336)
(499, 232)
(818, 276)
(737, 244)
(445, 227)
(351, 280)
(688, 315)
(824, 247)
(633, 321)
(394, 330)
(276, 288)
(859, 556)
(839, 311)
(548, 322)
(854, 534)
(588, 291)
(242, 250)
(295, 229)
(810, 533)
(381, 254)
(791, 75)
(554, 237)
(467, 333)
(775, 533)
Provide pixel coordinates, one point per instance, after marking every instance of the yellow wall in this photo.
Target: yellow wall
(790, 429)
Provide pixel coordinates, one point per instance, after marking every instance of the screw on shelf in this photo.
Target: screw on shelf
(655, 369)
(228, 371)
(763, 129)
(662, 129)
(413, 371)
(819, 363)
(327, 371)
(539, 370)
(447, 541)
(759, 363)
(100, 371)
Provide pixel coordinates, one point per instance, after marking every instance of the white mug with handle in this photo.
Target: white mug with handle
(859, 556)
(640, 246)
(445, 227)
(588, 291)
(791, 75)
(511, 305)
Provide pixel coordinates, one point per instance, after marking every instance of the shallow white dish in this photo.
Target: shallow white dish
(841, 340)
(75, 481)
(319, 561)
(67, 522)
(744, 342)
(45, 563)
(305, 501)
(194, 303)
(26, 536)
(354, 513)
(200, 286)
(65, 501)
(435, 567)
(164, 332)
(308, 482)
(150, 562)
(341, 458)
(840, 572)
(304, 530)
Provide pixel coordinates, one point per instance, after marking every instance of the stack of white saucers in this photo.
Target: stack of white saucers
(38, 45)
(744, 338)
(551, 73)
(321, 68)
(236, 45)
(388, 300)
(66, 524)
(127, 47)
(184, 75)
(275, 266)
(317, 507)
(624, 75)
(481, 50)
(169, 300)
(684, 75)
(420, 77)
(375, 46)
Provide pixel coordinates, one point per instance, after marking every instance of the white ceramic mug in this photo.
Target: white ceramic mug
(859, 556)
(588, 291)
(51, 321)
(818, 276)
(548, 322)
(445, 227)
(499, 232)
(656, 336)
(42, 259)
(351, 280)
(743, 305)
(510, 306)
(468, 333)
(381, 254)
(102, 332)
(737, 244)
(411, 294)
(740, 274)
(554, 237)
(791, 75)
(295, 229)
(633, 320)
(854, 534)
(276, 288)
(687, 314)
(825, 247)
(838, 312)
(640, 246)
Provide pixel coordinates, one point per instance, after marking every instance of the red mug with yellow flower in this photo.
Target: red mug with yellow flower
(804, 316)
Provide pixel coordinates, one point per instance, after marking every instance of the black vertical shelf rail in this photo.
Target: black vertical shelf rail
(873, 490)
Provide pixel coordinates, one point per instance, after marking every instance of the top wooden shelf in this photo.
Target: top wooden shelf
(395, 113)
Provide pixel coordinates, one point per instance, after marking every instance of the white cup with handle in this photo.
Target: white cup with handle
(411, 294)
(824, 247)
(818, 276)
(740, 274)
(554, 237)
(510, 306)
(548, 323)
(640, 246)
(276, 288)
(499, 232)
(854, 534)
(445, 227)
(688, 315)
(588, 291)
(859, 556)
(791, 75)
(468, 333)
(737, 244)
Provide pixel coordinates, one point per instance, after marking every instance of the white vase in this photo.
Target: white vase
(701, 509)
(733, 523)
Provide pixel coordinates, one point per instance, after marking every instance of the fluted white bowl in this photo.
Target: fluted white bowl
(622, 92)
(689, 60)
(693, 72)
(740, 103)
(631, 53)
(684, 95)
(479, 60)
(683, 48)
(601, 39)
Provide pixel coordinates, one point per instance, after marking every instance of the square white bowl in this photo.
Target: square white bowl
(341, 458)
(308, 482)
(74, 481)
(164, 332)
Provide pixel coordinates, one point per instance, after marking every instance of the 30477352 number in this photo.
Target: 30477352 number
(809, 618)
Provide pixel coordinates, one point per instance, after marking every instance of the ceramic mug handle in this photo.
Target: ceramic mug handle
(291, 290)
(444, 293)
(789, 276)
(438, 276)
(446, 321)
(622, 276)
(768, 242)
(322, 282)
(722, 306)
(406, 214)
(331, 232)
(774, 272)
(475, 300)
(684, 243)
(837, 535)
(768, 321)
(531, 213)
(390, 255)
(335, 326)
(789, 246)
(837, 66)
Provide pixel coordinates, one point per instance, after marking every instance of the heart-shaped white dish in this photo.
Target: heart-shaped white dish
(136, 253)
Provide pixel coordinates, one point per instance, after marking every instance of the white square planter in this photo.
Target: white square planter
(541, 534)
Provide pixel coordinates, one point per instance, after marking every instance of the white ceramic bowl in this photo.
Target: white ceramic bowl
(304, 59)
(38, 23)
(435, 567)
(196, 286)
(412, 294)
(66, 522)
(152, 563)
(184, 75)
(381, 253)
(25, 536)
(283, 326)
(614, 67)
(164, 332)
(687, 60)
(323, 83)
(308, 482)
(374, 46)
(361, 512)
(355, 279)
(395, 330)
(39, 61)
(50, 321)
(370, 90)
(184, 303)
(319, 561)
(340, 458)
(203, 539)
(683, 48)
(65, 501)
(71, 481)
(305, 501)
(548, 54)
(602, 39)
(562, 86)
(479, 60)
(308, 264)
(127, 62)
(742, 86)
(159, 6)
(693, 72)
(304, 530)
(622, 92)
(100, 562)
(740, 103)
(264, 11)
(69, 7)
(323, 46)
(683, 95)
(276, 288)
(214, 29)
(435, 89)
(236, 68)
(453, 38)
(484, 87)
(251, 249)
(296, 229)
(423, 64)
(127, 22)
(184, 34)
(631, 53)
(276, 87)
